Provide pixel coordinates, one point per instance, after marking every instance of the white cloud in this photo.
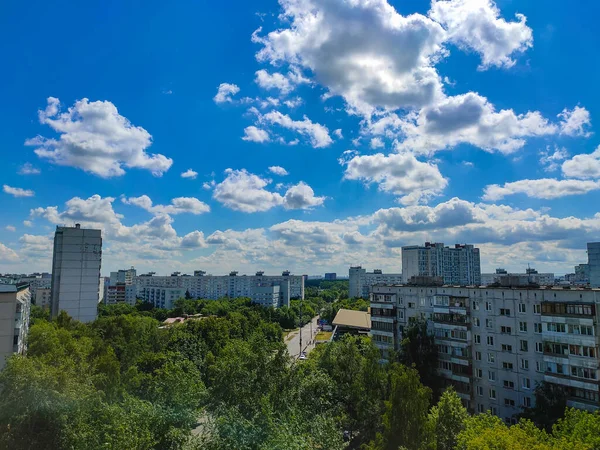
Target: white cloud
(468, 164)
(273, 81)
(7, 254)
(293, 102)
(225, 92)
(583, 165)
(301, 196)
(10, 228)
(399, 174)
(376, 143)
(546, 188)
(338, 133)
(575, 122)
(254, 134)
(550, 159)
(17, 192)
(189, 174)
(94, 137)
(316, 133)
(244, 191)
(28, 169)
(28, 223)
(208, 185)
(477, 25)
(278, 170)
(178, 205)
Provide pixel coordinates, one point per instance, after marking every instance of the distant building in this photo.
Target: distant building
(360, 280)
(347, 321)
(42, 297)
(330, 276)
(15, 305)
(593, 250)
(162, 297)
(531, 276)
(76, 263)
(120, 287)
(582, 274)
(458, 265)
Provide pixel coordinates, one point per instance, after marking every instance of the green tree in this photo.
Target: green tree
(447, 420)
(418, 349)
(550, 404)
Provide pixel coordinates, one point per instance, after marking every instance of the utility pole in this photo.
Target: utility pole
(300, 327)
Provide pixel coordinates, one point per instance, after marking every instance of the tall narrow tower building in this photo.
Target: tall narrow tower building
(76, 263)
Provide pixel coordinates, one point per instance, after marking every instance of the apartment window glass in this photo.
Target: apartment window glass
(505, 330)
(522, 308)
(493, 410)
(480, 390)
(539, 347)
(490, 340)
(504, 312)
(506, 348)
(478, 373)
(537, 308)
(524, 364)
(476, 322)
(489, 323)
(537, 328)
(509, 384)
(480, 408)
(491, 358)
(478, 356)
(477, 338)
(524, 346)
(491, 375)
(492, 393)
(527, 402)
(488, 306)
(509, 402)
(507, 365)
(539, 366)
(526, 383)
(523, 327)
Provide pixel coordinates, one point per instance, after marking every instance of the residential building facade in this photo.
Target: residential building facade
(459, 265)
(496, 344)
(120, 287)
(76, 264)
(360, 281)
(162, 297)
(331, 276)
(501, 277)
(43, 296)
(593, 251)
(15, 306)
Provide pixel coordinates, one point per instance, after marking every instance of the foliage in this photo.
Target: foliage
(330, 310)
(446, 420)
(550, 404)
(418, 349)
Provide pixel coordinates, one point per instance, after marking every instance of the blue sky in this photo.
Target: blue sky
(395, 123)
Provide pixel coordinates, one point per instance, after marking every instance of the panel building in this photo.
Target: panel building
(531, 276)
(495, 344)
(15, 305)
(360, 281)
(593, 251)
(76, 263)
(120, 287)
(458, 265)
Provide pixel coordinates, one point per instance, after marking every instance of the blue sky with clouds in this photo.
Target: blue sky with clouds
(305, 135)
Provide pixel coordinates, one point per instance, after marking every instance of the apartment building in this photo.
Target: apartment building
(456, 265)
(15, 305)
(162, 297)
(76, 263)
(233, 285)
(496, 344)
(360, 281)
(530, 275)
(43, 297)
(120, 287)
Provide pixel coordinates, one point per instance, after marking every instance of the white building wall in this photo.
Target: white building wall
(14, 321)
(360, 281)
(593, 250)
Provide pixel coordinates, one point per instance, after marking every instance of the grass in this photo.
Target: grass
(323, 336)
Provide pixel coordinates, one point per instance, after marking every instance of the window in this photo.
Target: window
(537, 308)
(491, 357)
(539, 366)
(489, 323)
(476, 322)
(581, 329)
(524, 346)
(475, 305)
(584, 372)
(477, 338)
(504, 312)
(492, 393)
(506, 348)
(524, 364)
(411, 305)
(526, 383)
(523, 327)
(478, 373)
(537, 327)
(477, 356)
(480, 408)
(488, 306)
(491, 375)
(490, 340)
(401, 314)
(509, 384)
(527, 402)
(505, 330)
(493, 410)
(522, 308)
(480, 391)
(509, 402)
(507, 365)
(539, 348)
(556, 327)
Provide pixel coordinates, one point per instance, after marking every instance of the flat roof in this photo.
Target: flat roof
(525, 287)
(353, 319)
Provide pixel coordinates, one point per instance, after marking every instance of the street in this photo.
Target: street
(293, 344)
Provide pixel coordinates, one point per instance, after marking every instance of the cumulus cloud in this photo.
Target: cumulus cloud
(583, 165)
(338, 133)
(244, 191)
(317, 134)
(178, 205)
(94, 137)
(254, 134)
(293, 102)
(301, 196)
(28, 169)
(7, 254)
(546, 188)
(575, 122)
(275, 80)
(376, 143)
(28, 223)
(477, 25)
(189, 174)
(10, 228)
(278, 170)
(550, 159)
(399, 174)
(17, 192)
(225, 92)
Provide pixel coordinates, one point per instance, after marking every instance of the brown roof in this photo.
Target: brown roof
(353, 319)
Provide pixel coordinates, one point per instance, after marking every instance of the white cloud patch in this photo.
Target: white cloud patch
(583, 165)
(254, 134)
(28, 223)
(278, 170)
(275, 80)
(7, 254)
(293, 102)
(575, 122)
(189, 174)
(17, 192)
(10, 228)
(28, 169)
(208, 185)
(477, 25)
(179, 205)
(225, 93)
(376, 143)
(399, 174)
(546, 188)
(94, 137)
(317, 134)
(301, 196)
(550, 158)
(338, 133)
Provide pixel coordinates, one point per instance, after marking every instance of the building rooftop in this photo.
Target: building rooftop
(6, 288)
(353, 319)
(493, 286)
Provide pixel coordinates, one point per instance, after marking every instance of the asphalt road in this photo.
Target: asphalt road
(308, 341)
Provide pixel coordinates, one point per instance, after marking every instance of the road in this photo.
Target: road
(308, 341)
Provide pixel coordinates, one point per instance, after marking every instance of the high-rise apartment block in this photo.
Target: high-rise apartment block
(531, 276)
(496, 344)
(76, 263)
(15, 305)
(593, 251)
(120, 287)
(458, 265)
(360, 281)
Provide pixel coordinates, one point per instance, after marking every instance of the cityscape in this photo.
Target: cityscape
(300, 225)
